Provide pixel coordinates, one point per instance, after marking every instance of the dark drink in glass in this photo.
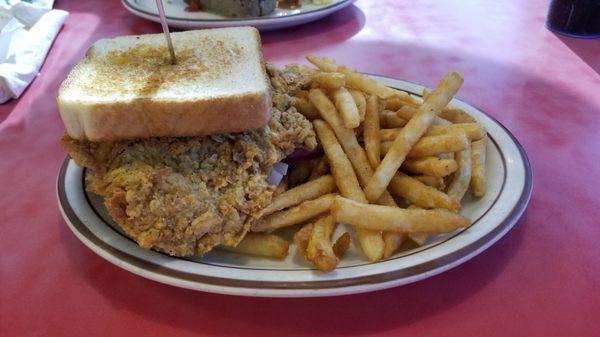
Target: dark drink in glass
(578, 18)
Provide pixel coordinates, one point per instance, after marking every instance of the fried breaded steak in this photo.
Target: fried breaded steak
(183, 196)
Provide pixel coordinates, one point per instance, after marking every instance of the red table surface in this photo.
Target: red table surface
(541, 279)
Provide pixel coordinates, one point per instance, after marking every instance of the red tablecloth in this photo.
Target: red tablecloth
(542, 279)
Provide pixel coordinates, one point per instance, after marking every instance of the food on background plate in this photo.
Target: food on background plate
(395, 166)
(233, 8)
(247, 8)
(294, 4)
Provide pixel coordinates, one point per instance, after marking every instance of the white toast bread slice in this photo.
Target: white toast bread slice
(125, 88)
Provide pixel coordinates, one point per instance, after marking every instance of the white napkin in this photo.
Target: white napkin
(27, 30)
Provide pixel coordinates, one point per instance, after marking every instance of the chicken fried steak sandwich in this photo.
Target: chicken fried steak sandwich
(182, 153)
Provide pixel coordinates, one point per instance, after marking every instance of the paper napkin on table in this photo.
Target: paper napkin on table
(27, 30)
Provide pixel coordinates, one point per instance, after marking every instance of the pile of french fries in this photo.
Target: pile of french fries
(395, 167)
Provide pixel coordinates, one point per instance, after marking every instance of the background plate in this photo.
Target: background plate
(281, 18)
(509, 189)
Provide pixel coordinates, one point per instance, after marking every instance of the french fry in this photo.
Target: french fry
(302, 237)
(432, 166)
(359, 160)
(406, 112)
(361, 165)
(393, 241)
(389, 119)
(299, 172)
(386, 218)
(433, 145)
(325, 64)
(305, 107)
(435, 182)
(414, 138)
(319, 249)
(478, 149)
(282, 187)
(415, 101)
(320, 168)
(419, 194)
(371, 242)
(346, 137)
(341, 245)
(294, 215)
(418, 238)
(372, 136)
(388, 135)
(341, 168)
(456, 116)
(368, 85)
(410, 134)
(473, 130)
(347, 108)
(451, 114)
(261, 244)
(449, 155)
(307, 191)
(393, 103)
(426, 93)
(360, 101)
(358, 81)
(462, 178)
(329, 80)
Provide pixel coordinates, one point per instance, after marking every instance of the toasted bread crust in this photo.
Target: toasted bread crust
(146, 118)
(96, 116)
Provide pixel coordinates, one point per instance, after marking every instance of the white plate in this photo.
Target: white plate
(509, 189)
(281, 18)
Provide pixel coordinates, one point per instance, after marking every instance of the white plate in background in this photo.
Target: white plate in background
(178, 17)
